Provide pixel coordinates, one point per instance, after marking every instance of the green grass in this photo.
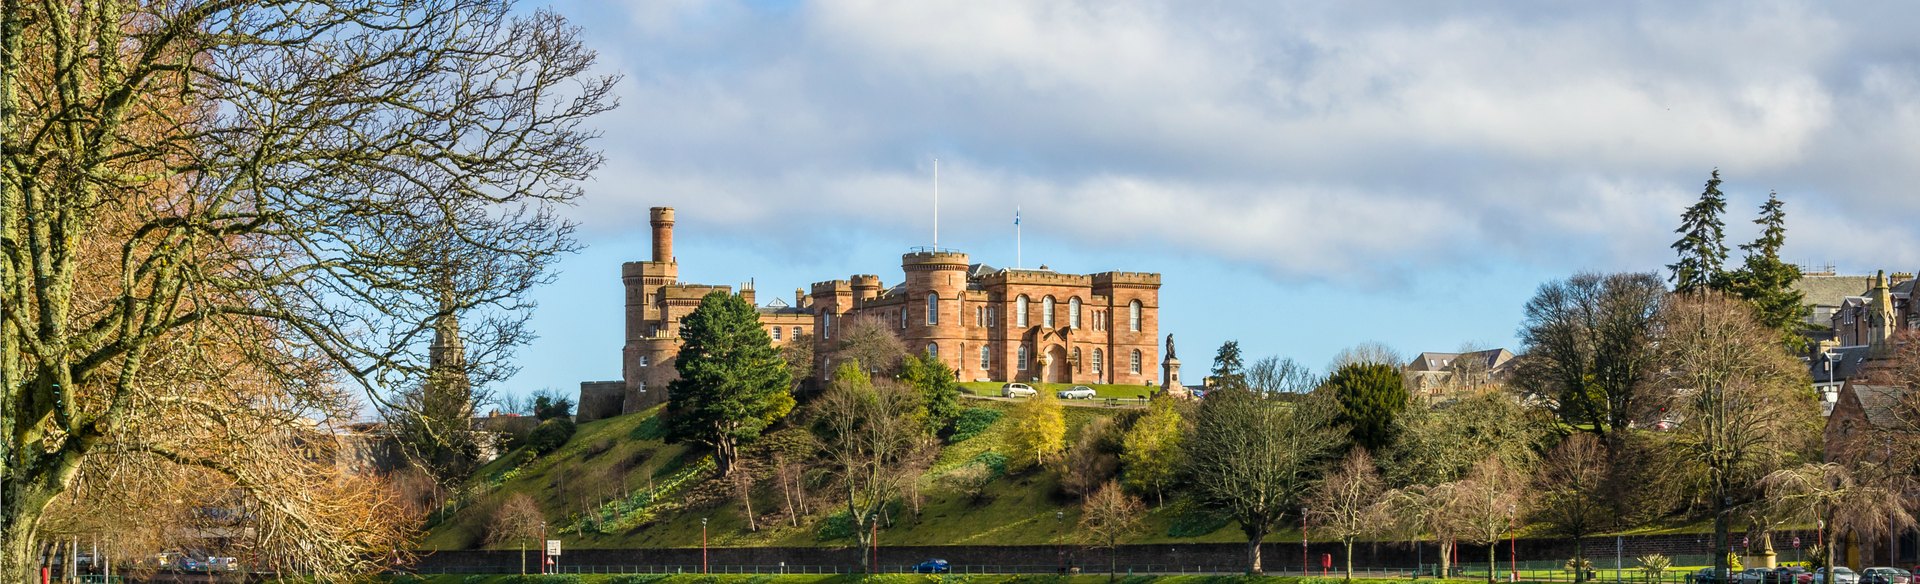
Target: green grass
(616, 457)
(992, 389)
(1083, 578)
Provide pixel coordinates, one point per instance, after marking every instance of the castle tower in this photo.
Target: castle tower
(448, 392)
(650, 338)
(936, 281)
(1880, 317)
(662, 221)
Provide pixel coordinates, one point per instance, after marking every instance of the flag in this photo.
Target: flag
(1016, 215)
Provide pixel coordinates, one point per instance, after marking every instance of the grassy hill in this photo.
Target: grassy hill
(618, 484)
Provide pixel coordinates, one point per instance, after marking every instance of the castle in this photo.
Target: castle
(988, 324)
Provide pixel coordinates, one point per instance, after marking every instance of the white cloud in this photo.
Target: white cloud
(1302, 139)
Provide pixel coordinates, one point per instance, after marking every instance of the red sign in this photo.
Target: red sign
(1326, 560)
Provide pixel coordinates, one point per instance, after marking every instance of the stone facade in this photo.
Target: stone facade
(1033, 325)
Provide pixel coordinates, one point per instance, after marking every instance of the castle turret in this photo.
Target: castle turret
(662, 221)
(934, 285)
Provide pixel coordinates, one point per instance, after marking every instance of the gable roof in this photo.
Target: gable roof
(1878, 403)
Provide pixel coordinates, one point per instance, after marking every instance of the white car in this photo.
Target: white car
(1017, 390)
(1077, 392)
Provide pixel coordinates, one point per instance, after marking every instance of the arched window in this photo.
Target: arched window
(933, 350)
(933, 308)
(1076, 358)
(986, 358)
(776, 333)
(903, 318)
(1133, 317)
(643, 360)
(826, 326)
(1020, 312)
(1046, 312)
(1097, 365)
(1134, 365)
(1023, 358)
(1073, 312)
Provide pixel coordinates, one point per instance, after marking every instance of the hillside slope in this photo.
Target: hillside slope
(595, 492)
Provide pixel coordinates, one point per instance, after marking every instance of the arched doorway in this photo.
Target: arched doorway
(1058, 369)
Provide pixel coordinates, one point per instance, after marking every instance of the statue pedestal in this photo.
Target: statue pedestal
(1766, 560)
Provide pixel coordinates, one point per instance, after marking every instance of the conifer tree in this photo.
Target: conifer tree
(1767, 282)
(1371, 396)
(1702, 247)
(733, 383)
(1227, 367)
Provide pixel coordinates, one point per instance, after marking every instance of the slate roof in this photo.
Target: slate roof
(1879, 403)
(1847, 363)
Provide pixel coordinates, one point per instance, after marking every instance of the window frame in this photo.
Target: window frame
(1020, 312)
(933, 308)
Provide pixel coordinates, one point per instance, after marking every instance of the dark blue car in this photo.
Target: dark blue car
(931, 567)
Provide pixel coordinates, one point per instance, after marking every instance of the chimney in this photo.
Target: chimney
(799, 298)
(662, 234)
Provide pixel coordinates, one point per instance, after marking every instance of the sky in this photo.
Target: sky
(1305, 176)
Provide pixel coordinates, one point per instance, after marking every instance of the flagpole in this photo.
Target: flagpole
(1017, 263)
(936, 204)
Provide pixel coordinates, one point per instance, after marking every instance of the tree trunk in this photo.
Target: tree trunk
(1493, 561)
(1579, 557)
(20, 561)
(1349, 543)
(1253, 553)
(1446, 557)
(523, 556)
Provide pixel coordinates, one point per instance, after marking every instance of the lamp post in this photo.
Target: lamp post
(543, 547)
(703, 545)
(875, 520)
(1059, 549)
(1513, 545)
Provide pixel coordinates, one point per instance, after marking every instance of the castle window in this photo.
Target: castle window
(826, 326)
(903, 318)
(1046, 311)
(1020, 312)
(1135, 364)
(993, 313)
(1133, 318)
(986, 358)
(643, 360)
(797, 332)
(1073, 312)
(933, 350)
(1076, 358)
(1023, 357)
(1097, 370)
(933, 308)
(776, 333)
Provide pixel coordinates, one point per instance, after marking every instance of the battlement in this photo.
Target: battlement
(1016, 276)
(1105, 279)
(831, 287)
(935, 258)
(866, 281)
(638, 269)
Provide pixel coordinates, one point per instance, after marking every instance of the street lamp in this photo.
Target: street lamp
(543, 547)
(1513, 545)
(703, 545)
(875, 520)
(1059, 549)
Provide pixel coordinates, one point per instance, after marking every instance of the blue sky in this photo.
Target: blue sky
(1306, 176)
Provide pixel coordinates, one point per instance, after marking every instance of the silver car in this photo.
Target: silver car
(1017, 390)
(1841, 575)
(1077, 392)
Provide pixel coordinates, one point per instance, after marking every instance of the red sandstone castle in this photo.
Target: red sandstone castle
(987, 323)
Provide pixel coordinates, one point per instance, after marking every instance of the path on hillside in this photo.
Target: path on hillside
(1108, 403)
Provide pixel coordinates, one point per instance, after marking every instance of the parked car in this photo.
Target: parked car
(1885, 575)
(1752, 576)
(223, 564)
(1710, 576)
(1077, 392)
(934, 566)
(1788, 575)
(190, 564)
(1841, 575)
(1017, 390)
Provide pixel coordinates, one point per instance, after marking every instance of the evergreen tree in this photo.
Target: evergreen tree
(1371, 396)
(1767, 282)
(733, 383)
(939, 392)
(1228, 371)
(1702, 247)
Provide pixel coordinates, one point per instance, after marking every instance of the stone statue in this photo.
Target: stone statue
(1170, 345)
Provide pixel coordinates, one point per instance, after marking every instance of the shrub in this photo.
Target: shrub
(550, 435)
(972, 422)
(835, 526)
(638, 579)
(1654, 565)
(1193, 520)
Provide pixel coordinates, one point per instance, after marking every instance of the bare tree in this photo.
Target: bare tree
(742, 482)
(518, 520)
(872, 342)
(1368, 352)
(215, 215)
(1094, 458)
(1485, 506)
(1254, 458)
(969, 479)
(1570, 485)
(1347, 505)
(868, 438)
(1870, 503)
(1589, 348)
(1108, 516)
(1742, 397)
(1419, 511)
(1280, 375)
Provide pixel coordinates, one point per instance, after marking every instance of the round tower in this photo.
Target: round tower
(662, 221)
(939, 277)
